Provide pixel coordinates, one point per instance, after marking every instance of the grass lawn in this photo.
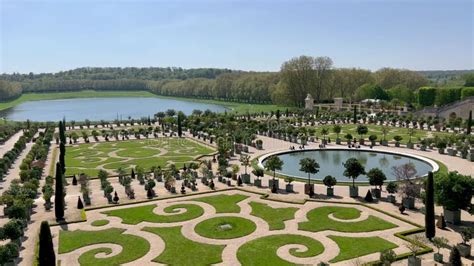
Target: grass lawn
(275, 217)
(133, 247)
(224, 203)
(136, 215)
(262, 251)
(88, 158)
(182, 251)
(375, 130)
(318, 220)
(225, 227)
(100, 222)
(354, 247)
(236, 107)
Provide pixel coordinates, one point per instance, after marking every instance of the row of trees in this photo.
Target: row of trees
(9, 90)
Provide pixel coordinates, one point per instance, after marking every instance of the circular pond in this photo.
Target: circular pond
(331, 163)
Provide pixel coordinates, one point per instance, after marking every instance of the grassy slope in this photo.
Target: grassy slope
(238, 107)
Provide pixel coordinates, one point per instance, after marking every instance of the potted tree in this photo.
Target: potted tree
(289, 186)
(353, 169)
(384, 141)
(337, 129)
(376, 178)
(348, 138)
(387, 257)
(441, 145)
(245, 161)
(272, 164)
(259, 144)
(329, 181)
(411, 132)
(258, 172)
(373, 139)
(397, 139)
(309, 166)
(439, 243)
(414, 247)
(453, 191)
(408, 188)
(392, 188)
(362, 130)
(464, 247)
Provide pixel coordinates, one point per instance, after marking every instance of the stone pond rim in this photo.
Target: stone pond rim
(435, 167)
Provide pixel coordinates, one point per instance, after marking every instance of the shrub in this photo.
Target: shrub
(426, 96)
(455, 257)
(453, 190)
(467, 92)
(447, 95)
(329, 181)
(46, 254)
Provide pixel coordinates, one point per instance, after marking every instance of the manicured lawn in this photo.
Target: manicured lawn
(225, 227)
(100, 222)
(224, 203)
(182, 251)
(136, 215)
(88, 158)
(354, 247)
(275, 217)
(262, 251)
(318, 220)
(133, 247)
(374, 130)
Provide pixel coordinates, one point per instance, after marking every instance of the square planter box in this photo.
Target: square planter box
(452, 152)
(329, 191)
(245, 178)
(453, 217)
(471, 157)
(376, 192)
(464, 250)
(353, 192)
(392, 199)
(441, 151)
(308, 188)
(414, 261)
(338, 141)
(257, 182)
(289, 188)
(410, 145)
(408, 203)
(438, 257)
(397, 144)
(277, 183)
(423, 148)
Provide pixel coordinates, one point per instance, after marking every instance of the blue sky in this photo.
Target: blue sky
(54, 35)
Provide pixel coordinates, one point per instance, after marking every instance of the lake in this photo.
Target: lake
(96, 109)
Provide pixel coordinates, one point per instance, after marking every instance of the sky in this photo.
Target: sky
(54, 35)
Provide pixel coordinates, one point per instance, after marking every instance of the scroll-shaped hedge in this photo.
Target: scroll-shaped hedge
(263, 251)
(136, 215)
(133, 247)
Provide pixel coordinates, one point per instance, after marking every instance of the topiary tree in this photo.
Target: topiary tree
(353, 169)
(46, 256)
(80, 205)
(430, 230)
(272, 164)
(376, 177)
(309, 166)
(454, 191)
(368, 196)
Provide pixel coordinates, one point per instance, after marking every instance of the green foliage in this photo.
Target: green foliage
(309, 166)
(59, 194)
(9, 90)
(455, 257)
(453, 190)
(196, 253)
(353, 169)
(329, 181)
(447, 95)
(275, 217)
(46, 256)
(426, 96)
(467, 92)
(371, 91)
(469, 79)
(376, 177)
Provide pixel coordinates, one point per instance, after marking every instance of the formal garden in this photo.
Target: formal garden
(232, 227)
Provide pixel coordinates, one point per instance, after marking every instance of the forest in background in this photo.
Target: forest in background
(289, 86)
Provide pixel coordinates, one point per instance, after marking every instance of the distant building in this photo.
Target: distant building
(309, 102)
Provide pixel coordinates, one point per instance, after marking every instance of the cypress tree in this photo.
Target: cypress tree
(180, 126)
(355, 114)
(59, 194)
(80, 205)
(62, 156)
(430, 208)
(469, 123)
(46, 256)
